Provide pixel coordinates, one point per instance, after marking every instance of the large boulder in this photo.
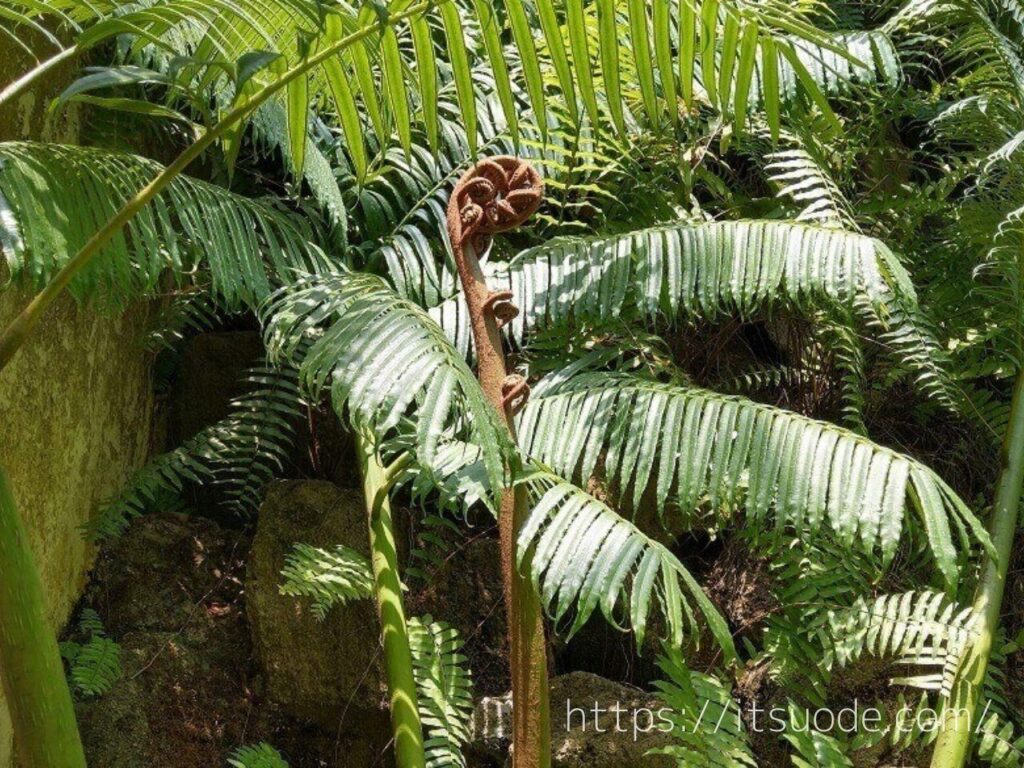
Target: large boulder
(327, 672)
(595, 723)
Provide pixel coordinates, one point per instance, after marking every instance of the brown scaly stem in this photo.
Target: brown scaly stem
(496, 195)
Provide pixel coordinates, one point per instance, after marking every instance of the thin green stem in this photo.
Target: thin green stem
(30, 77)
(43, 716)
(15, 335)
(959, 720)
(378, 480)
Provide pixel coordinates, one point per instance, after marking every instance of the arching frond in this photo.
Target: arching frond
(733, 41)
(381, 355)
(328, 576)
(800, 177)
(53, 198)
(582, 556)
(445, 687)
(693, 446)
(241, 453)
(706, 722)
(709, 269)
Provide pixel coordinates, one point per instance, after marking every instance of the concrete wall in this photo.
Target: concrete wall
(75, 404)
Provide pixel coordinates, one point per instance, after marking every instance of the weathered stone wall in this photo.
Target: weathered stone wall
(75, 403)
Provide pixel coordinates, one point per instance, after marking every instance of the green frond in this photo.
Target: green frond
(813, 748)
(693, 446)
(54, 197)
(706, 721)
(802, 179)
(330, 577)
(96, 666)
(90, 623)
(257, 756)
(706, 270)
(998, 744)
(582, 556)
(924, 631)
(382, 356)
(241, 454)
(188, 313)
(445, 689)
(394, 89)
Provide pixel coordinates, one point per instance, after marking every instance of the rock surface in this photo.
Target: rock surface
(327, 671)
(586, 732)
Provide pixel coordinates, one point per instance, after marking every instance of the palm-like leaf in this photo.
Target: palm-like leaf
(381, 354)
(733, 41)
(241, 453)
(54, 197)
(692, 445)
(708, 269)
(582, 556)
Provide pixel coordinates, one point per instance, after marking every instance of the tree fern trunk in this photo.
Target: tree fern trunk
(959, 726)
(45, 731)
(496, 195)
(407, 729)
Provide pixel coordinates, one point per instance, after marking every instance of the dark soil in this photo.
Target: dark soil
(171, 593)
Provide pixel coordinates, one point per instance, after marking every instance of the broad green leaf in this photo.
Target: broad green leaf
(461, 71)
(638, 33)
(556, 49)
(576, 18)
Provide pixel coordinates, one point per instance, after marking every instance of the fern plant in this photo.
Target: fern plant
(329, 577)
(445, 688)
(257, 756)
(375, 91)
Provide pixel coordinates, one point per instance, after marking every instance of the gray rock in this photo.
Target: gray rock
(586, 732)
(327, 672)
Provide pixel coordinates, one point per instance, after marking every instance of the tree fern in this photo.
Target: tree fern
(381, 355)
(247, 246)
(693, 446)
(330, 577)
(445, 690)
(582, 556)
(706, 722)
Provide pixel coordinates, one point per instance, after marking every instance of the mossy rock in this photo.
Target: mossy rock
(327, 672)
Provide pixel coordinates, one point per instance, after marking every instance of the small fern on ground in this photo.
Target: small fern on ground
(257, 756)
(94, 664)
(445, 688)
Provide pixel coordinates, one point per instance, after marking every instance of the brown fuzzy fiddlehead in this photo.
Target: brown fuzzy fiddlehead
(496, 195)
